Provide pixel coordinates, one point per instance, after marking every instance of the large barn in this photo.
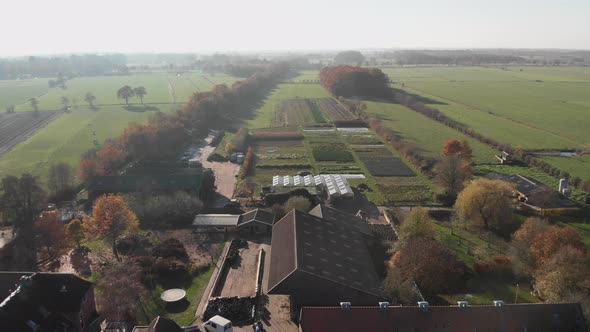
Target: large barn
(323, 261)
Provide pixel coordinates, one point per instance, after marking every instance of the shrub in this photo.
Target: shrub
(169, 267)
(498, 266)
(170, 248)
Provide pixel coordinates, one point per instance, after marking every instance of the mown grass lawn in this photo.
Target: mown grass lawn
(469, 247)
(153, 306)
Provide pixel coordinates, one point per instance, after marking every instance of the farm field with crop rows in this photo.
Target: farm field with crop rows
(300, 145)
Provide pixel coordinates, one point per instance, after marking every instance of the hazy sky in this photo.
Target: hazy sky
(59, 26)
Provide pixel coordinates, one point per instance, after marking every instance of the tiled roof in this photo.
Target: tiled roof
(517, 317)
(127, 183)
(322, 248)
(43, 297)
(257, 215)
(341, 219)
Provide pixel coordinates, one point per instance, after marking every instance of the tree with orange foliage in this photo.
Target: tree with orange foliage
(111, 218)
(452, 172)
(51, 238)
(564, 276)
(451, 147)
(550, 241)
(522, 261)
(454, 147)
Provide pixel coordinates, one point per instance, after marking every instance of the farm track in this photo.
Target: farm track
(490, 112)
(22, 125)
(172, 91)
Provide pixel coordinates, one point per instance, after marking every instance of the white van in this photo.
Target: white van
(217, 324)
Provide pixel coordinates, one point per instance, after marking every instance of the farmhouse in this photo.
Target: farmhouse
(46, 301)
(497, 317)
(322, 261)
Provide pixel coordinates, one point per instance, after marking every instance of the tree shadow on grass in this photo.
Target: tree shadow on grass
(178, 306)
(141, 108)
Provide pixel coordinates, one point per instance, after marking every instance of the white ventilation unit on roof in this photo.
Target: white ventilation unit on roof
(463, 304)
(423, 305)
(498, 303)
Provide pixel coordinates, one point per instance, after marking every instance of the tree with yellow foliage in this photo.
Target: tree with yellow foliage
(487, 204)
(111, 218)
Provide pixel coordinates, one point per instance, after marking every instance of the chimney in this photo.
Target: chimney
(462, 304)
(383, 306)
(345, 306)
(498, 303)
(423, 305)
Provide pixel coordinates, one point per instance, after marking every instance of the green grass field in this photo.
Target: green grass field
(162, 88)
(428, 135)
(15, 92)
(526, 107)
(68, 137)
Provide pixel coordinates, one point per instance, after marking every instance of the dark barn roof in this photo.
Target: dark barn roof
(130, 183)
(53, 293)
(525, 186)
(509, 317)
(258, 215)
(321, 261)
(537, 193)
(340, 218)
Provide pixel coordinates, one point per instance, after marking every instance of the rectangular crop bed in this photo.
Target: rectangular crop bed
(331, 152)
(380, 162)
(334, 110)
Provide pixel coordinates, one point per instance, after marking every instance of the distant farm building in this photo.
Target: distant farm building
(253, 222)
(535, 194)
(137, 183)
(505, 158)
(335, 186)
(323, 261)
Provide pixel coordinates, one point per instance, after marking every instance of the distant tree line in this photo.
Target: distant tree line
(354, 81)
(164, 135)
(349, 58)
(70, 66)
(459, 57)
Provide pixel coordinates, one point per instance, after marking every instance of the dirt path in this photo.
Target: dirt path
(225, 173)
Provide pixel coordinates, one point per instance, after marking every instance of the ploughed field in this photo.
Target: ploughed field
(17, 127)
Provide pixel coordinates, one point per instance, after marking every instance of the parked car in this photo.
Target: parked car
(218, 324)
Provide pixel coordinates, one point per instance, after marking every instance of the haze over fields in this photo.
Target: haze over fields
(63, 26)
(286, 166)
